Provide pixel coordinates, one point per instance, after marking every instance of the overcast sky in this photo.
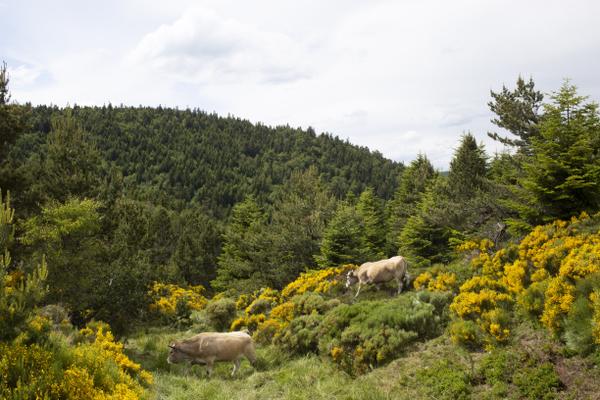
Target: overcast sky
(400, 77)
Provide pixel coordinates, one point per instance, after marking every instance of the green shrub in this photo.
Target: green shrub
(577, 331)
(537, 382)
(310, 302)
(220, 313)
(444, 380)
(301, 336)
(499, 366)
(467, 334)
(371, 333)
(531, 300)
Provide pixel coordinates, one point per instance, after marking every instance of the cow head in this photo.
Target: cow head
(351, 278)
(175, 354)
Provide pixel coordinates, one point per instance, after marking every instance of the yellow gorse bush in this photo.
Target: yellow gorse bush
(438, 281)
(540, 275)
(319, 281)
(167, 296)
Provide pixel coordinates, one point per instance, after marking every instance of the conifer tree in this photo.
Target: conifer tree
(239, 263)
(563, 174)
(344, 239)
(370, 210)
(71, 167)
(423, 240)
(302, 209)
(468, 169)
(413, 182)
(20, 292)
(517, 111)
(197, 248)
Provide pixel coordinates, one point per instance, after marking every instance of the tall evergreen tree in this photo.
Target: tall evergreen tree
(468, 169)
(563, 174)
(344, 239)
(423, 239)
(239, 265)
(71, 165)
(302, 209)
(198, 246)
(12, 125)
(370, 209)
(517, 111)
(413, 182)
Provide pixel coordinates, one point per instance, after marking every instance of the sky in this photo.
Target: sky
(400, 77)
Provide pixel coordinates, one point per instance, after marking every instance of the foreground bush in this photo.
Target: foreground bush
(551, 276)
(371, 333)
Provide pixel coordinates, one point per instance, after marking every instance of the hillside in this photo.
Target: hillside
(190, 156)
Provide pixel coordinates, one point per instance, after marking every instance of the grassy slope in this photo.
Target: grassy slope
(433, 369)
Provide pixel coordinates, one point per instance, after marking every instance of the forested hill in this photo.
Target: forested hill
(193, 156)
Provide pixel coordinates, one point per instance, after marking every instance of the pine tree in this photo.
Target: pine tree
(239, 264)
(302, 209)
(344, 239)
(72, 166)
(20, 293)
(413, 182)
(468, 169)
(12, 125)
(423, 240)
(197, 248)
(563, 174)
(370, 209)
(517, 111)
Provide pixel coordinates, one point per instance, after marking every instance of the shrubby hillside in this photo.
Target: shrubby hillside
(123, 228)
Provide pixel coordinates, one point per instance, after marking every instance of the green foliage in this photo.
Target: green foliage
(468, 169)
(422, 239)
(20, 292)
(444, 380)
(537, 382)
(563, 173)
(177, 157)
(413, 182)
(344, 239)
(370, 209)
(220, 313)
(371, 333)
(517, 111)
(301, 335)
(239, 265)
(301, 209)
(12, 120)
(67, 234)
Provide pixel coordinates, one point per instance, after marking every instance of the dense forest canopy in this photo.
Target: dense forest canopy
(182, 157)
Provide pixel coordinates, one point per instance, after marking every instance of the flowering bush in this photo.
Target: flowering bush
(174, 301)
(539, 275)
(319, 281)
(436, 281)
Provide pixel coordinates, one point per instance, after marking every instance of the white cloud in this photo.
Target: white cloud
(203, 47)
(24, 75)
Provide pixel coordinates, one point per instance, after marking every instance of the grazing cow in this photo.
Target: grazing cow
(208, 347)
(379, 272)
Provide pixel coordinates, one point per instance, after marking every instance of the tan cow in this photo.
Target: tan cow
(208, 347)
(379, 272)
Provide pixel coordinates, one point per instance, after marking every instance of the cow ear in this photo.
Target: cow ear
(172, 346)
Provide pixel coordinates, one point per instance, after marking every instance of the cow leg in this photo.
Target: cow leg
(236, 366)
(251, 355)
(400, 285)
(209, 367)
(358, 291)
